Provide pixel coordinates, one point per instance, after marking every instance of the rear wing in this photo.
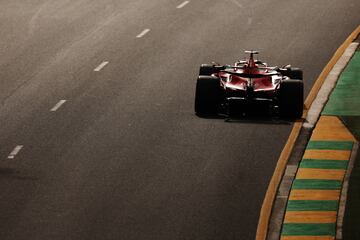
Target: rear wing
(252, 52)
(251, 59)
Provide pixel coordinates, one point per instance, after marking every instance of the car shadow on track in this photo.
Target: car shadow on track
(10, 173)
(267, 121)
(257, 119)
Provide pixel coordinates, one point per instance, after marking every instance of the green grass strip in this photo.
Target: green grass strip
(312, 184)
(308, 229)
(345, 98)
(324, 164)
(312, 205)
(330, 145)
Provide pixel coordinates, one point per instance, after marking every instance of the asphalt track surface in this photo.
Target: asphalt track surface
(125, 157)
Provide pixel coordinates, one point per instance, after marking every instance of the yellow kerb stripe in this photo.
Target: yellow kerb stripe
(307, 238)
(327, 154)
(314, 194)
(310, 217)
(324, 174)
(331, 128)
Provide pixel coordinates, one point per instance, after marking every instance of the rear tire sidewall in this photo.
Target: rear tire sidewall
(207, 70)
(294, 73)
(291, 98)
(207, 95)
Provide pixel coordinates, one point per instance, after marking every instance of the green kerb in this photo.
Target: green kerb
(308, 229)
(345, 99)
(311, 184)
(330, 145)
(323, 164)
(312, 205)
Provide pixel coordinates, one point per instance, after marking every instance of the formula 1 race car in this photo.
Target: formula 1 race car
(249, 86)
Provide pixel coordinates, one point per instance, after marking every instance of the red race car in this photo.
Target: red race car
(249, 86)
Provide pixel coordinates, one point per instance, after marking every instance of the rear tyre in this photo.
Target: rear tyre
(207, 70)
(207, 95)
(294, 73)
(291, 98)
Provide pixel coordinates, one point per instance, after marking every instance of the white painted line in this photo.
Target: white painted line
(101, 66)
(291, 170)
(237, 3)
(15, 151)
(182, 5)
(143, 33)
(327, 87)
(58, 105)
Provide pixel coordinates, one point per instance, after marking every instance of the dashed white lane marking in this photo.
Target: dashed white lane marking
(58, 105)
(237, 3)
(182, 4)
(101, 66)
(143, 33)
(15, 151)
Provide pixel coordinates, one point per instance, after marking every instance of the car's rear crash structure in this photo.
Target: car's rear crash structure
(249, 86)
